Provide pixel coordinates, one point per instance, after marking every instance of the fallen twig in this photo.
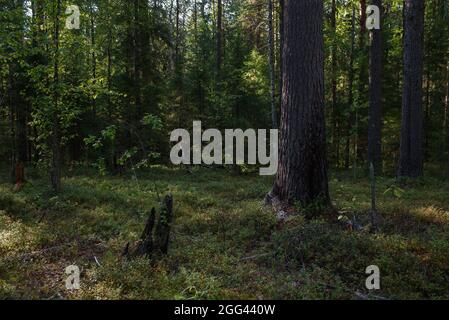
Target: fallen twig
(257, 256)
(97, 262)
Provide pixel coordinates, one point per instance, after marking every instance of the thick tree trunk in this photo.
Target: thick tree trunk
(411, 157)
(375, 97)
(274, 114)
(302, 175)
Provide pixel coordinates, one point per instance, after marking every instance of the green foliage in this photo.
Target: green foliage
(125, 80)
(223, 245)
(314, 208)
(136, 70)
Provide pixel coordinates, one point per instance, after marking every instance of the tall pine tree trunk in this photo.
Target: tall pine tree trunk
(375, 97)
(411, 157)
(302, 174)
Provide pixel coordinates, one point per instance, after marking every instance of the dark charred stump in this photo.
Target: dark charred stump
(145, 246)
(162, 235)
(155, 237)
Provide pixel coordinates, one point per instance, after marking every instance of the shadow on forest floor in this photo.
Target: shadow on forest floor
(224, 244)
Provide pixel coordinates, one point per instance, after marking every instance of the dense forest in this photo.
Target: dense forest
(90, 91)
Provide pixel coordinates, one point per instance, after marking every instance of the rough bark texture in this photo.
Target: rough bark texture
(375, 97)
(411, 157)
(302, 174)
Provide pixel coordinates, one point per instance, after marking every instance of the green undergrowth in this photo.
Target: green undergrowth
(224, 243)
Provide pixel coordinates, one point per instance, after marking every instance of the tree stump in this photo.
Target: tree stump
(156, 234)
(162, 235)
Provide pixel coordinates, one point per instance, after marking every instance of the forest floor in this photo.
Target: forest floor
(224, 244)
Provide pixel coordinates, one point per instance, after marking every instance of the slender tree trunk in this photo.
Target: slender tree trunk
(199, 55)
(302, 175)
(361, 82)
(446, 113)
(411, 150)
(137, 66)
(177, 36)
(41, 59)
(334, 74)
(112, 157)
(219, 40)
(94, 59)
(56, 134)
(19, 107)
(274, 115)
(21, 131)
(109, 53)
(281, 48)
(428, 81)
(170, 34)
(362, 51)
(427, 125)
(351, 92)
(375, 97)
(12, 122)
